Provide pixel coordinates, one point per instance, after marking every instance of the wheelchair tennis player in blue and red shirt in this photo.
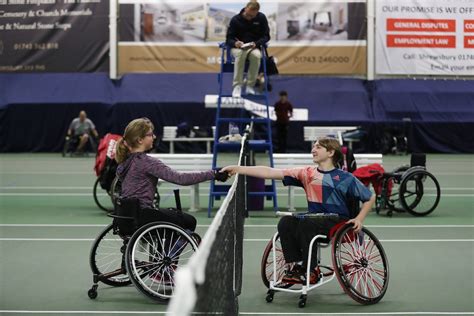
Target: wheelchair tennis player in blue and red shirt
(328, 190)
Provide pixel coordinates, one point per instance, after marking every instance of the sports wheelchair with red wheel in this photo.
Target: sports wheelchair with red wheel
(410, 188)
(358, 262)
(136, 249)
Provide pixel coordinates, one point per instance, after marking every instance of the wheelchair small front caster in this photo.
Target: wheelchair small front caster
(269, 297)
(302, 302)
(92, 293)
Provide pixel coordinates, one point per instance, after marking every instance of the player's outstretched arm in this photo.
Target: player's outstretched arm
(255, 171)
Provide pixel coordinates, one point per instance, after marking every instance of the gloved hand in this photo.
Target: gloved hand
(221, 176)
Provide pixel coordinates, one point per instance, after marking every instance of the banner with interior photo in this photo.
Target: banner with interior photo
(425, 37)
(54, 36)
(307, 37)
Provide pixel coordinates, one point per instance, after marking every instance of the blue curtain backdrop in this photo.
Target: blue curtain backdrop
(36, 109)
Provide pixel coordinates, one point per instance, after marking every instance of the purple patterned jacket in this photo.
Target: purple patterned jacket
(139, 175)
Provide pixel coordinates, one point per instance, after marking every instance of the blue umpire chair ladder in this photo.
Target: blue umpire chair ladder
(241, 120)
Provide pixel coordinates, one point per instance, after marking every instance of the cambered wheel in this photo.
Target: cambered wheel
(419, 193)
(360, 264)
(267, 268)
(106, 257)
(153, 254)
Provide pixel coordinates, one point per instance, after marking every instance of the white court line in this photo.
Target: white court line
(81, 312)
(44, 187)
(72, 194)
(50, 194)
(50, 172)
(249, 225)
(247, 240)
(369, 313)
(90, 187)
(391, 240)
(88, 194)
(240, 313)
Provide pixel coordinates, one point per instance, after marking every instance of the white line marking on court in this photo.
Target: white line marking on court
(240, 313)
(369, 313)
(81, 312)
(90, 187)
(379, 226)
(247, 240)
(53, 225)
(394, 240)
(88, 194)
(75, 194)
(46, 188)
(50, 194)
(249, 225)
(50, 172)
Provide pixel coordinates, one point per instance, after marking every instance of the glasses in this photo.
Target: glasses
(151, 134)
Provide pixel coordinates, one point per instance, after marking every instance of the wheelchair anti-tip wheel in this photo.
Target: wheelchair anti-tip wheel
(106, 256)
(153, 254)
(419, 192)
(267, 265)
(360, 264)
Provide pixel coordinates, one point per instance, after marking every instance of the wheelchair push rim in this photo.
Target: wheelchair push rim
(267, 268)
(153, 254)
(360, 265)
(106, 257)
(419, 193)
(97, 190)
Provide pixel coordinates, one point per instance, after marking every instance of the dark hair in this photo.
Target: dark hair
(283, 93)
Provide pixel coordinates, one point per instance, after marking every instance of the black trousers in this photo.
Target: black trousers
(170, 215)
(296, 234)
(282, 135)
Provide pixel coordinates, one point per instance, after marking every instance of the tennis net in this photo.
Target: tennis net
(212, 281)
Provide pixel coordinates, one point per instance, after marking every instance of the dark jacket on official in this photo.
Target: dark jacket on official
(255, 30)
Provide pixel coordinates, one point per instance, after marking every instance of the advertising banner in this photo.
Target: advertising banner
(307, 37)
(425, 37)
(54, 35)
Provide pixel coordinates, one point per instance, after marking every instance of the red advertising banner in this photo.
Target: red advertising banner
(421, 41)
(469, 26)
(421, 25)
(468, 41)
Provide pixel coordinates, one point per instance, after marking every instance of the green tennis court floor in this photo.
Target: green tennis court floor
(48, 221)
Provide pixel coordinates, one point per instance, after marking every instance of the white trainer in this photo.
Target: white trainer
(250, 90)
(236, 93)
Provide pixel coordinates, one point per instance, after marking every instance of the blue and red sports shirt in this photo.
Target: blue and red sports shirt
(327, 191)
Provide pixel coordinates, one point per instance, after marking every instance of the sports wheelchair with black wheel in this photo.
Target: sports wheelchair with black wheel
(358, 262)
(72, 142)
(409, 189)
(136, 249)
